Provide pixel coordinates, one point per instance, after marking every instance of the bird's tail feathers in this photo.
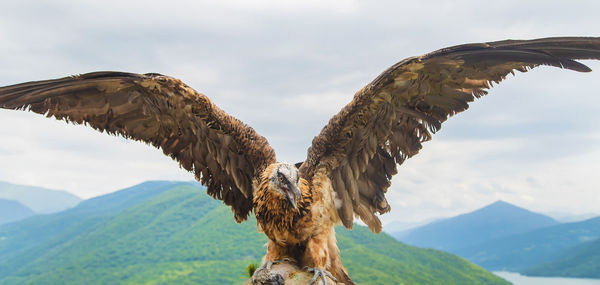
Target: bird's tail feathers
(343, 277)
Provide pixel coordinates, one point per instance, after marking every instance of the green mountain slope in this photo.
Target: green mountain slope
(38, 199)
(11, 211)
(518, 252)
(380, 259)
(182, 236)
(30, 239)
(582, 260)
(496, 220)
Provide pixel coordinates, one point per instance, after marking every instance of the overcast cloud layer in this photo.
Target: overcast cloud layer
(285, 67)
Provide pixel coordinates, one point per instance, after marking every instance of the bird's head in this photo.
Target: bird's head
(284, 181)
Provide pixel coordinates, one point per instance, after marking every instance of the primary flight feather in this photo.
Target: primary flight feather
(350, 164)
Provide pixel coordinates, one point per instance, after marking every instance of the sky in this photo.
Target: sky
(285, 67)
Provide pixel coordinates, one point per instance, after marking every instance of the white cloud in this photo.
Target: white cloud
(295, 7)
(327, 103)
(40, 151)
(455, 176)
(285, 67)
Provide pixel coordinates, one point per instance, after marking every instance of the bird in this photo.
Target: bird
(350, 164)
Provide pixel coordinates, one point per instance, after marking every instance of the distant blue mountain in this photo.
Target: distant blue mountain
(496, 220)
(565, 217)
(398, 228)
(11, 211)
(38, 199)
(522, 251)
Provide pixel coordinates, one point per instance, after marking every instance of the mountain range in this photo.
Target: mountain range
(11, 211)
(505, 237)
(173, 233)
(399, 227)
(38, 199)
(497, 220)
(522, 251)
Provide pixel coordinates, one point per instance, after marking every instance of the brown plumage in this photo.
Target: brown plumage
(350, 163)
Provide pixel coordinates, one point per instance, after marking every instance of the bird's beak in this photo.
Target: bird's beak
(293, 195)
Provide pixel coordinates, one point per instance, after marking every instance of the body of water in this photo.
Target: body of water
(518, 279)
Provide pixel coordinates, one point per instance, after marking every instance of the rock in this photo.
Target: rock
(285, 273)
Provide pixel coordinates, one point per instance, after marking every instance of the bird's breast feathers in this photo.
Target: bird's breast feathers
(285, 225)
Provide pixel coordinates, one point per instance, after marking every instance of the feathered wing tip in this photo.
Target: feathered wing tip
(390, 118)
(222, 152)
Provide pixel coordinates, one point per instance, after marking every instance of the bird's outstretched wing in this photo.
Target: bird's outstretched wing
(389, 119)
(222, 152)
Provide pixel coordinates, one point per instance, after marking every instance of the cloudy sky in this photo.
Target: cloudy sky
(285, 67)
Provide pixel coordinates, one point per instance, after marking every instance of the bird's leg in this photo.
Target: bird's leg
(274, 256)
(267, 264)
(262, 275)
(317, 253)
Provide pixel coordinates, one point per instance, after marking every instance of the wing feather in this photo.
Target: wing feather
(222, 152)
(390, 118)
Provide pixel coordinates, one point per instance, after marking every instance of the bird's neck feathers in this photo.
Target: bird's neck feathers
(271, 209)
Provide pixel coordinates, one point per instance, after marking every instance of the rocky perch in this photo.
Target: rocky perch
(286, 273)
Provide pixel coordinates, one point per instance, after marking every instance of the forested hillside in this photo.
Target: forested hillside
(173, 233)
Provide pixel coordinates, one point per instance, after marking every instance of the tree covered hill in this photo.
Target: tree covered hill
(29, 239)
(173, 233)
(581, 261)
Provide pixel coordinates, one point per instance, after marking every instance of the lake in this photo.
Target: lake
(518, 279)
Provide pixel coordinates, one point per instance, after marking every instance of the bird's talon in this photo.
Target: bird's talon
(265, 276)
(268, 264)
(322, 273)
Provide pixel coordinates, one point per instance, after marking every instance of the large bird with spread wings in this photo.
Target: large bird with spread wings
(350, 164)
